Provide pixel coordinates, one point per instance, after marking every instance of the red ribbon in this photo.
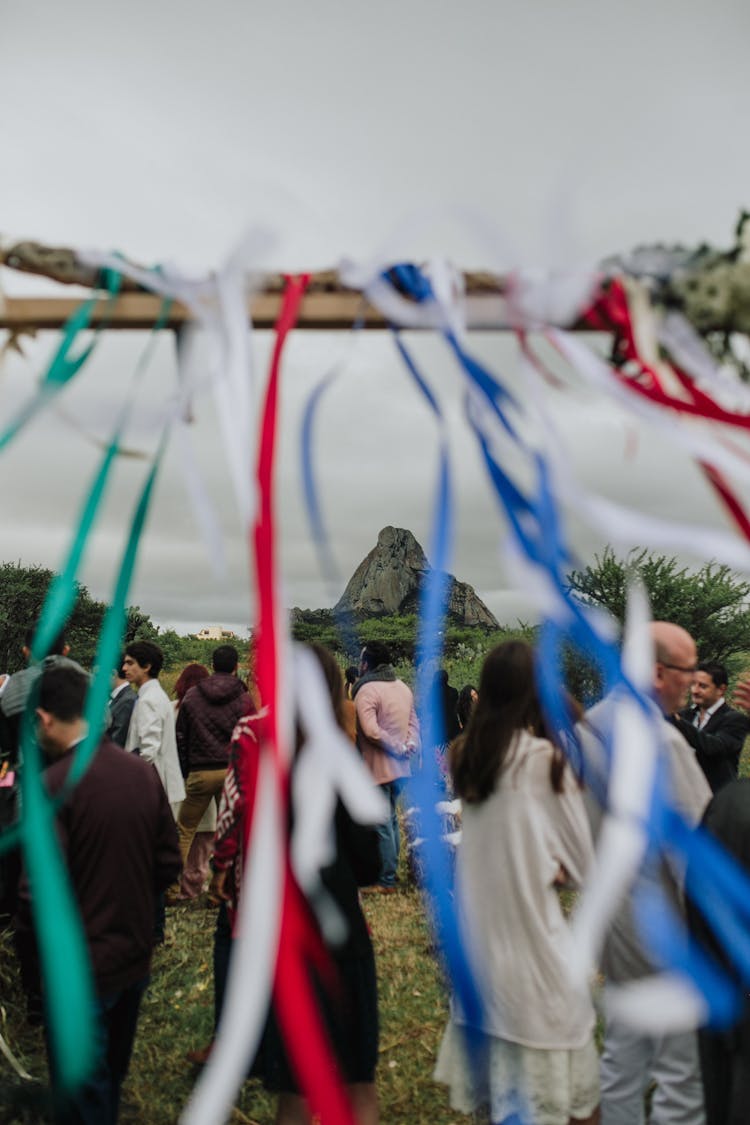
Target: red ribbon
(610, 312)
(300, 945)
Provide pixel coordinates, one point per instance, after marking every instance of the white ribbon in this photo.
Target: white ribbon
(251, 969)
(219, 303)
(597, 373)
(617, 523)
(622, 839)
(661, 1004)
(326, 767)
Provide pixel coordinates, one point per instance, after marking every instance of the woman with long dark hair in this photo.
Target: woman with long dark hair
(524, 832)
(467, 697)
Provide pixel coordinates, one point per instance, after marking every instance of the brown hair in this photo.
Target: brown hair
(333, 678)
(507, 703)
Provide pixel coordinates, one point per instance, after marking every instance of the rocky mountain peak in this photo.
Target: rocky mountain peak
(389, 578)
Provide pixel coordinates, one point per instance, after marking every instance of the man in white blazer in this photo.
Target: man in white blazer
(152, 734)
(152, 725)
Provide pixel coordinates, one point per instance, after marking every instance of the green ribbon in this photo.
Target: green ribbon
(60, 936)
(64, 365)
(69, 994)
(113, 627)
(63, 590)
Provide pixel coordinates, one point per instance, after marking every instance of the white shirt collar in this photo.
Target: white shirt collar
(702, 717)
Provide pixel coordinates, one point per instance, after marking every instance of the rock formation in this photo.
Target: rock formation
(389, 579)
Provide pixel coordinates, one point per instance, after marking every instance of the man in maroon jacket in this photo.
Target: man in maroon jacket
(207, 716)
(118, 838)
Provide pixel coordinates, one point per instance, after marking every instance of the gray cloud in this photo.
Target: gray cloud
(169, 154)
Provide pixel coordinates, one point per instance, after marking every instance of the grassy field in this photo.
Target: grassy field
(177, 1016)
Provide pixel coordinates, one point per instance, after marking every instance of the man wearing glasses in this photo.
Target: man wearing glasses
(632, 1059)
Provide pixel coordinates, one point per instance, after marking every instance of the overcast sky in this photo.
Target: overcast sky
(166, 130)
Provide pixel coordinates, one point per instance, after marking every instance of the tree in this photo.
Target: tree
(711, 603)
(139, 626)
(22, 593)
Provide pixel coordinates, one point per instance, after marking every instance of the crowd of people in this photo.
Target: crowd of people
(160, 817)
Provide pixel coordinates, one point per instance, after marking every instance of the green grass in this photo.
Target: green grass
(177, 1015)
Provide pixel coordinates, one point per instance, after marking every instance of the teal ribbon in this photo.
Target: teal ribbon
(65, 366)
(69, 993)
(63, 590)
(60, 936)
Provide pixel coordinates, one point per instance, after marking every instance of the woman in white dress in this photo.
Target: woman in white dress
(525, 832)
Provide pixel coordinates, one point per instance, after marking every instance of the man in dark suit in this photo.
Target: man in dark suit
(715, 730)
(121, 704)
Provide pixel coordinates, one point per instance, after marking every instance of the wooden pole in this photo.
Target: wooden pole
(327, 305)
(140, 311)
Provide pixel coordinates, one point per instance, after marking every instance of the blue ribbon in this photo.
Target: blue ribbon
(535, 526)
(344, 619)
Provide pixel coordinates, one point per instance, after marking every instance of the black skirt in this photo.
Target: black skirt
(350, 1015)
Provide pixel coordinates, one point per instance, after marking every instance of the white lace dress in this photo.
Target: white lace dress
(538, 1056)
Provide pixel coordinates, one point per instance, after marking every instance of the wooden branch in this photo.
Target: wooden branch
(327, 305)
(59, 263)
(140, 311)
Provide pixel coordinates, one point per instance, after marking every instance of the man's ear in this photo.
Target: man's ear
(45, 719)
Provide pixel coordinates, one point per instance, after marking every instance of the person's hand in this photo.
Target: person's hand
(741, 694)
(217, 892)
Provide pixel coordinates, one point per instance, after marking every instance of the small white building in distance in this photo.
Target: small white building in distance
(214, 633)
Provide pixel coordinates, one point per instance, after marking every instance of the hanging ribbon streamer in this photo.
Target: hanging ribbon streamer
(534, 525)
(251, 967)
(64, 366)
(345, 619)
(218, 302)
(69, 995)
(298, 944)
(327, 768)
(612, 309)
(63, 590)
(60, 937)
(424, 786)
(205, 514)
(62, 946)
(62, 593)
(295, 1003)
(617, 523)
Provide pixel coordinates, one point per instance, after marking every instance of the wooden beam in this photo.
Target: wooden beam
(140, 311)
(327, 305)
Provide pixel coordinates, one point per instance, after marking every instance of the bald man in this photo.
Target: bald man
(631, 1060)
